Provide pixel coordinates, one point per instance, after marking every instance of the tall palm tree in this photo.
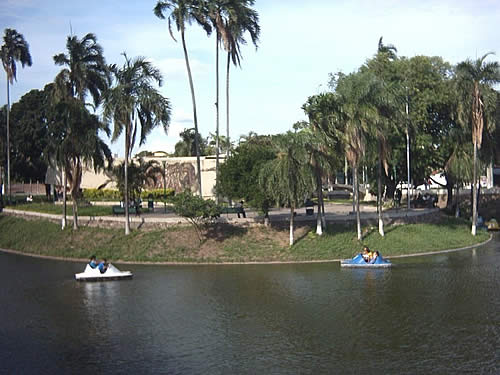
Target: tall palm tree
(216, 11)
(182, 12)
(14, 49)
(75, 144)
(356, 112)
(132, 103)
(243, 19)
(288, 178)
(381, 98)
(475, 78)
(319, 148)
(85, 71)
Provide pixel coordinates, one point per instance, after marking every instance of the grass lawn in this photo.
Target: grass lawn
(57, 209)
(226, 243)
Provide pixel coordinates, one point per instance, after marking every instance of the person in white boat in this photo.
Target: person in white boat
(103, 265)
(93, 262)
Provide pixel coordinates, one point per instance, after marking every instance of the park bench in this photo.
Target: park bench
(234, 210)
(119, 210)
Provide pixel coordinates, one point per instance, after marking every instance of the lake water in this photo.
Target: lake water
(433, 314)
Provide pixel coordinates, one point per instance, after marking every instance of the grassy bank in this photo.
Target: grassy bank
(225, 243)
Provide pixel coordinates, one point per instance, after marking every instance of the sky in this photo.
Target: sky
(301, 42)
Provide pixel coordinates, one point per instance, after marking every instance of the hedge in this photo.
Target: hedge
(115, 195)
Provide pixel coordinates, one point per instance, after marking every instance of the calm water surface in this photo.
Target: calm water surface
(434, 314)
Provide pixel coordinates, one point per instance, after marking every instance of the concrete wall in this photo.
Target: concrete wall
(180, 175)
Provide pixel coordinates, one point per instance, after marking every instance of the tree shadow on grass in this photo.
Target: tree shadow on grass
(220, 232)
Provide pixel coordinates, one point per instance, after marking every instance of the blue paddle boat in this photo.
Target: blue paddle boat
(359, 262)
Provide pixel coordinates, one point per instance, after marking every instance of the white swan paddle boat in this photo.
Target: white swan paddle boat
(93, 274)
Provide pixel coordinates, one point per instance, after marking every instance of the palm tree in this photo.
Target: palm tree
(243, 19)
(85, 71)
(288, 178)
(352, 121)
(140, 174)
(319, 149)
(381, 99)
(74, 144)
(182, 12)
(135, 103)
(15, 49)
(476, 78)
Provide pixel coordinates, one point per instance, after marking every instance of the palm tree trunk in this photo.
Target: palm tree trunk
(8, 139)
(457, 199)
(127, 146)
(195, 117)
(217, 113)
(292, 217)
(319, 224)
(323, 217)
(65, 183)
(356, 199)
(379, 191)
(474, 190)
(75, 210)
(227, 105)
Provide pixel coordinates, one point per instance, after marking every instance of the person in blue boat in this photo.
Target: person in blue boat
(93, 262)
(366, 254)
(103, 266)
(374, 256)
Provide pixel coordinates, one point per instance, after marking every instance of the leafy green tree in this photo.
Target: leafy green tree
(29, 135)
(239, 175)
(182, 12)
(14, 49)
(134, 103)
(84, 71)
(288, 178)
(199, 212)
(476, 78)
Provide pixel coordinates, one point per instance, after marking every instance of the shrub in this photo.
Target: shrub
(198, 211)
(102, 195)
(157, 194)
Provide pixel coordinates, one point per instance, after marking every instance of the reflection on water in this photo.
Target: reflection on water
(427, 314)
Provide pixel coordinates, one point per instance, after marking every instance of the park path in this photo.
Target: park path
(334, 212)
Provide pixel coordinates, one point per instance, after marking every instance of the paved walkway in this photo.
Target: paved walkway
(333, 213)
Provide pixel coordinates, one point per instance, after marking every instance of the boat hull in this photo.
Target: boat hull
(112, 273)
(359, 262)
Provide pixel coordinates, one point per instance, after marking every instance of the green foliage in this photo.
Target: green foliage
(288, 178)
(140, 173)
(239, 175)
(116, 195)
(187, 145)
(102, 195)
(198, 211)
(28, 135)
(158, 194)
